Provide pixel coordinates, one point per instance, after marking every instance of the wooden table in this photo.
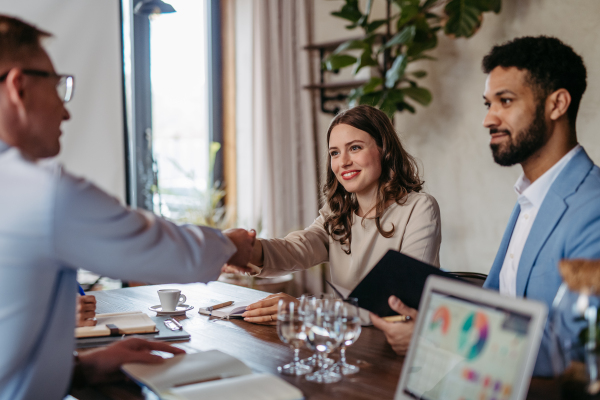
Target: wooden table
(260, 348)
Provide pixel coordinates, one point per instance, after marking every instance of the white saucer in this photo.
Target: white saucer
(180, 310)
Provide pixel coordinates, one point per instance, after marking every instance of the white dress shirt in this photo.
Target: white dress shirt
(52, 223)
(530, 199)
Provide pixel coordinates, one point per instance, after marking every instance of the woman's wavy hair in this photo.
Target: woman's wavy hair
(399, 174)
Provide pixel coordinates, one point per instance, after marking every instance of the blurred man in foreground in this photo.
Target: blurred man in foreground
(51, 223)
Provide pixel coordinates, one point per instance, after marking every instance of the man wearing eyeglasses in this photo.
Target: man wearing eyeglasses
(51, 223)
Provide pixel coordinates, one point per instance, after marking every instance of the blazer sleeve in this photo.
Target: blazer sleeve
(298, 251)
(423, 233)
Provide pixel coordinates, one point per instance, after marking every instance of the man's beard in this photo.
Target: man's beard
(522, 146)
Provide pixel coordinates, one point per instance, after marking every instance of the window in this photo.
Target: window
(180, 137)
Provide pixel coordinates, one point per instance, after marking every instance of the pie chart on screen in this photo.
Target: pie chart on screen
(473, 335)
(440, 319)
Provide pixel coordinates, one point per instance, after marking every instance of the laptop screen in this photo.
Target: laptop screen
(467, 350)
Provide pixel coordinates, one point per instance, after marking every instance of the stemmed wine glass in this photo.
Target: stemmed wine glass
(323, 335)
(351, 331)
(291, 331)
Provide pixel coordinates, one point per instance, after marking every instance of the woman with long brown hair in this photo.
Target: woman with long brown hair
(373, 203)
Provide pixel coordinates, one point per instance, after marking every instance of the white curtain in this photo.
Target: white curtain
(277, 164)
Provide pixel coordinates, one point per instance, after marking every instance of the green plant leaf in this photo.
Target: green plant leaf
(338, 61)
(490, 5)
(405, 106)
(372, 26)
(396, 71)
(418, 94)
(405, 35)
(365, 60)
(464, 17)
(371, 85)
(372, 98)
(350, 45)
(419, 74)
(363, 21)
(350, 12)
(388, 107)
(409, 11)
(354, 96)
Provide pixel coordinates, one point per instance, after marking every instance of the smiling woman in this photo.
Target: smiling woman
(373, 204)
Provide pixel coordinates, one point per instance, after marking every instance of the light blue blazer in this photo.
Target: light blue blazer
(567, 226)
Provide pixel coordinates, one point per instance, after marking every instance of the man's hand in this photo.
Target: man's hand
(398, 334)
(104, 365)
(244, 241)
(264, 312)
(86, 310)
(256, 259)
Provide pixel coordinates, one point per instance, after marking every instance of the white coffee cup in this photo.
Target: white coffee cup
(170, 299)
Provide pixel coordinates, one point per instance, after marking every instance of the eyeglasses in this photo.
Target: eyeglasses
(64, 86)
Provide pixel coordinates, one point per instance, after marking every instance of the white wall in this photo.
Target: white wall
(86, 44)
(475, 195)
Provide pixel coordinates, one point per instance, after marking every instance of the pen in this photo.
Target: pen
(398, 318)
(81, 292)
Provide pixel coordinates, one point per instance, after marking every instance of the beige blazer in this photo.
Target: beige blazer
(417, 234)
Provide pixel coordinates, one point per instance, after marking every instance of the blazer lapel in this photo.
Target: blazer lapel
(552, 209)
(493, 279)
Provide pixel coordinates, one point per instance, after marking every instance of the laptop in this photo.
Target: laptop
(471, 343)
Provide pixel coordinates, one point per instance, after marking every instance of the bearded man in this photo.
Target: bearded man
(532, 94)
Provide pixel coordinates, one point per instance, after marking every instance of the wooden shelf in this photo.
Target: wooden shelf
(332, 45)
(337, 85)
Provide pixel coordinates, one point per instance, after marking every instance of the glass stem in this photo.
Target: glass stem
(296, 356)
(322, 363)
(343, 355)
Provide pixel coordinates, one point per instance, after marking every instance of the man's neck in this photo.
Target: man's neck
(558, 145)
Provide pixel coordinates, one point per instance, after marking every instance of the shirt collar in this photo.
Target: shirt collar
(534, 193)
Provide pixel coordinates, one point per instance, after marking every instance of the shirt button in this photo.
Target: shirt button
(511, 255)
(526, 216)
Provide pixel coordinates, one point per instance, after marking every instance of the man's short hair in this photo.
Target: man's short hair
(18, 39)
(551, 64)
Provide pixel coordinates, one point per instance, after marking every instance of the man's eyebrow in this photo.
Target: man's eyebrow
(505, 91)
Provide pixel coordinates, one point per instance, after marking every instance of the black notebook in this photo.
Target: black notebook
(395, 274)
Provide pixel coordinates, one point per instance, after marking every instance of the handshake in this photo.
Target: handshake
(249, 250)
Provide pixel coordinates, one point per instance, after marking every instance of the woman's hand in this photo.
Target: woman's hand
(398, 334)
(264, 312)
(86, 310)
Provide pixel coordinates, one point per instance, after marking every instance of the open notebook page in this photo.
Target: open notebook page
(186, 369)
(247, 387)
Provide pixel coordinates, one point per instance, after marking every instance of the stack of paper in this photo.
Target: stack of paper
(127, 323)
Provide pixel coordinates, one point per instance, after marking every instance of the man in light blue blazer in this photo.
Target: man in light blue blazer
(532, 93)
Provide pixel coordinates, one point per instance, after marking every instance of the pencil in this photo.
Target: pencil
(398, 318)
